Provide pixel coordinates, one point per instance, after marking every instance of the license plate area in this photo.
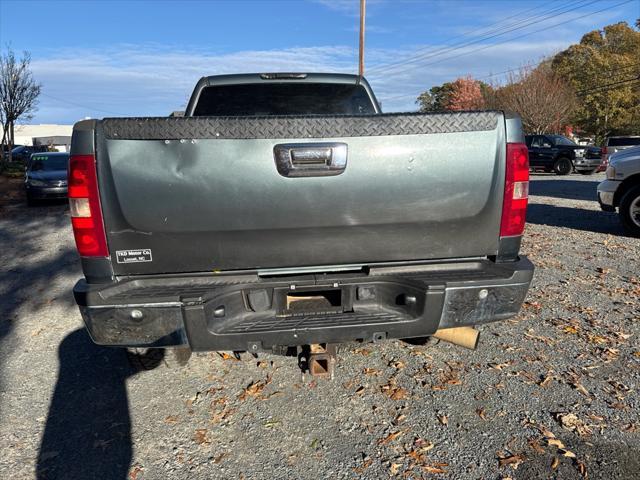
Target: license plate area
(315, 301)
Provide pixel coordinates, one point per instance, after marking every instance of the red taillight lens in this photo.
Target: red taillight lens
(516, 190)
(86, 215)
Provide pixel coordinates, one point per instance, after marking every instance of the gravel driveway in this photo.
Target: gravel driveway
(549, 394)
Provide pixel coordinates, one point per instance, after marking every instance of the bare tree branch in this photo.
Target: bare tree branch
(18, 93)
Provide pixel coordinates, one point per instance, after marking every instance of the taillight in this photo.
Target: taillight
(84, 203)
(516, 190)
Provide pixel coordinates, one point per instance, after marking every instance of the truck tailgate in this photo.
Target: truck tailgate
(205, 194)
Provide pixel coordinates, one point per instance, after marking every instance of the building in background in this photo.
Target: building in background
(58, 136)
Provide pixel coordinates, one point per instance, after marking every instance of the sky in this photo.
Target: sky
(143, 57)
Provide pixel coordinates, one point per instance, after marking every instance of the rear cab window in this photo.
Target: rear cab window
(623, 141)
(285, 98)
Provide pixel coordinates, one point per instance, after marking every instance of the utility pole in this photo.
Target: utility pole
(361, 52)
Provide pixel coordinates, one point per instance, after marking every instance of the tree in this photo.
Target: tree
(462, 94)
(436, 99)
(466, 94)
(544, 101)
(18, 93)
(604, 70)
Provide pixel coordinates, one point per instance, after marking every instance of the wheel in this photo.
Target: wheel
(587, 172)
(630, 211)
(563, 166)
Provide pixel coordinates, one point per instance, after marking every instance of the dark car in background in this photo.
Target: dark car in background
(23, 152)
(559, 154)
(46, 176)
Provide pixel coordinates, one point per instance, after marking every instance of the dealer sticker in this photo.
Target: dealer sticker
(134, 256)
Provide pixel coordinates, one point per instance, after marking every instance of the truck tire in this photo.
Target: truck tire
(563, 166)
(630, 211)
(142, 359)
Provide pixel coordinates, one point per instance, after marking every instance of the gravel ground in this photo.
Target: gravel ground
(549, 394)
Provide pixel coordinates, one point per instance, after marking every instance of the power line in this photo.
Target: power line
(524, 35)
(603, 88)
(534, 65)
(499, 32)
(92, 109)
(604, 71)
(429, 51)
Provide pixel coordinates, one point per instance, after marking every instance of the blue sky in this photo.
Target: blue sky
(113, 58)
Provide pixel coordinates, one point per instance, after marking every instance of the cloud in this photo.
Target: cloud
(154, 80)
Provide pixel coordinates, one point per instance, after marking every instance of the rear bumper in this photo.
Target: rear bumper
(47, 192)
(586, 163)
(247, 312)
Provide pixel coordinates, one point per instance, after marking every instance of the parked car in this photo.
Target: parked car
(22, 153)
(621, 189)
(615, 144)
(46, 176)
(561, 155)
(283, 210)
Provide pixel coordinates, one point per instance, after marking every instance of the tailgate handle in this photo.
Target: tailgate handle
(310, 159)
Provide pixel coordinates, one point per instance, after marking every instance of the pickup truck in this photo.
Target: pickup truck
(562, 155)
(621, 189)
(284, 210)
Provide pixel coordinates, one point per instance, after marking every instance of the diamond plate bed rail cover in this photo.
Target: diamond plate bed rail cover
(273, 127)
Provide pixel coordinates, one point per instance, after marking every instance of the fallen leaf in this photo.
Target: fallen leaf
(171, 419)
(255, 388)
(227, 356)
(443, 420)
(272, 423)
(555, 442)
(570, 421)
(545, 381)
(200, 436)
(400, 418)
(582, 469)
(512, 460)
(581, 389)
(394, 468)
(567, 453)
(219, 458)
(390, 438)
(372, 372)
(360, 390)
(423, 445)
(535, 444)
(435, 467)
(570, 329)
(554, 463)
(481, 413)
(363, 467)
(135, 471)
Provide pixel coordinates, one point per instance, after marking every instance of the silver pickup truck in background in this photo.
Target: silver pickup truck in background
(621, 189)
(284, 210)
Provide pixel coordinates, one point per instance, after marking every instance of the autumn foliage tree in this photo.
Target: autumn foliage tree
(542, 98)
(462, 94)
(466, 94)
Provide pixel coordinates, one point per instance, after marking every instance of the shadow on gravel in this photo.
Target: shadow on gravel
(88, 429)
(575, 218)
(568, 189)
